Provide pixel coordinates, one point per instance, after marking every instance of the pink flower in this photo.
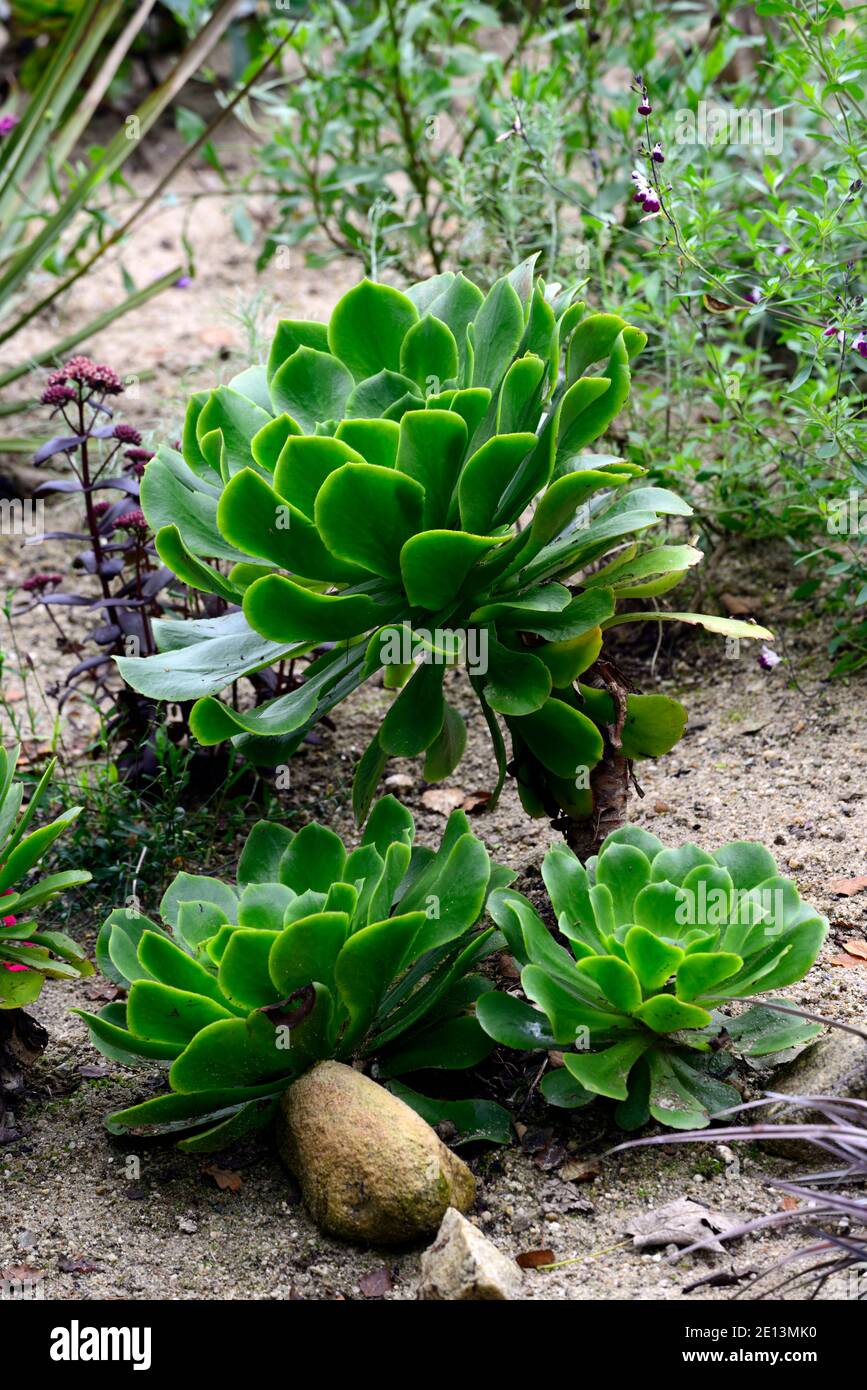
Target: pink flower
(768, 659)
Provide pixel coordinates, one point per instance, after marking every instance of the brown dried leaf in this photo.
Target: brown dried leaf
(217, 336)
(680, 1223)
(856, 948)
(578, 1170)
(23, 1274)
(848, 887)
(226, 1180)
(74, 1264)
(845, 960)
(534, 1259)
(738, 607)
(443, 800)
(104, 990)
(508, 969)
(376, 1284)
(476, 801)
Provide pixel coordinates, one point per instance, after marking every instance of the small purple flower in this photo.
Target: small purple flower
(782, 249)
(656, 154)
(58, 395)
(768, 659)
(644, 107)
(127, 434)
(38, 582)
(860, 344)
(754, 295)
(86, 373)
(184, 282)
(134, 520)
(8, 123)
(651, 203)
(832, 331)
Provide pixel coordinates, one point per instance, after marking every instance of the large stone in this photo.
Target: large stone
(370, 1168)
(463, 1265)
(834, 1066)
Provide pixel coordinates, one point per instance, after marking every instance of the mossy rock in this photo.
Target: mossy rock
(370, 1168)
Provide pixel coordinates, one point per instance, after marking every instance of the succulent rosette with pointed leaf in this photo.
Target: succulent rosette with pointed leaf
(661, 942)
(406, 488)
(314, 953)
(29, 955)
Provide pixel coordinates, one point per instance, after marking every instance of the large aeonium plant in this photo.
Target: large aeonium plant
(406, 488)
(661, 942)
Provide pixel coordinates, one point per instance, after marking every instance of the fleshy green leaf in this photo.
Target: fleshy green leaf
(368, 326)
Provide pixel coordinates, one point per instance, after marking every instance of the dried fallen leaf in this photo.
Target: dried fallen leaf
(399, 782)
(443, 800)
(550, 1157)
(845, 961)
(789, 1204)
(21, 1274)
(476, 801)
(557, 1196)
(581, 1170)
(508, 969)
(103, 990)
(376, 1284)
(217, 336)
(856, 948)
(661, 807)
(680, 1223)
(534, 1259)
(738, 607)
(226, 1180)
(848, 887)
(71, 1264)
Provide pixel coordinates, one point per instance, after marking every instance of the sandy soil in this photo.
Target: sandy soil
(771, 756)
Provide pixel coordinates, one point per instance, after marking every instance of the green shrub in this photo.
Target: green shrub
(660, 938)
(29, 955)
(409, 483)
(313, 954)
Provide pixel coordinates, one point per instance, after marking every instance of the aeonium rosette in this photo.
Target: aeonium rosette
(662, 942)
(408, 487)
